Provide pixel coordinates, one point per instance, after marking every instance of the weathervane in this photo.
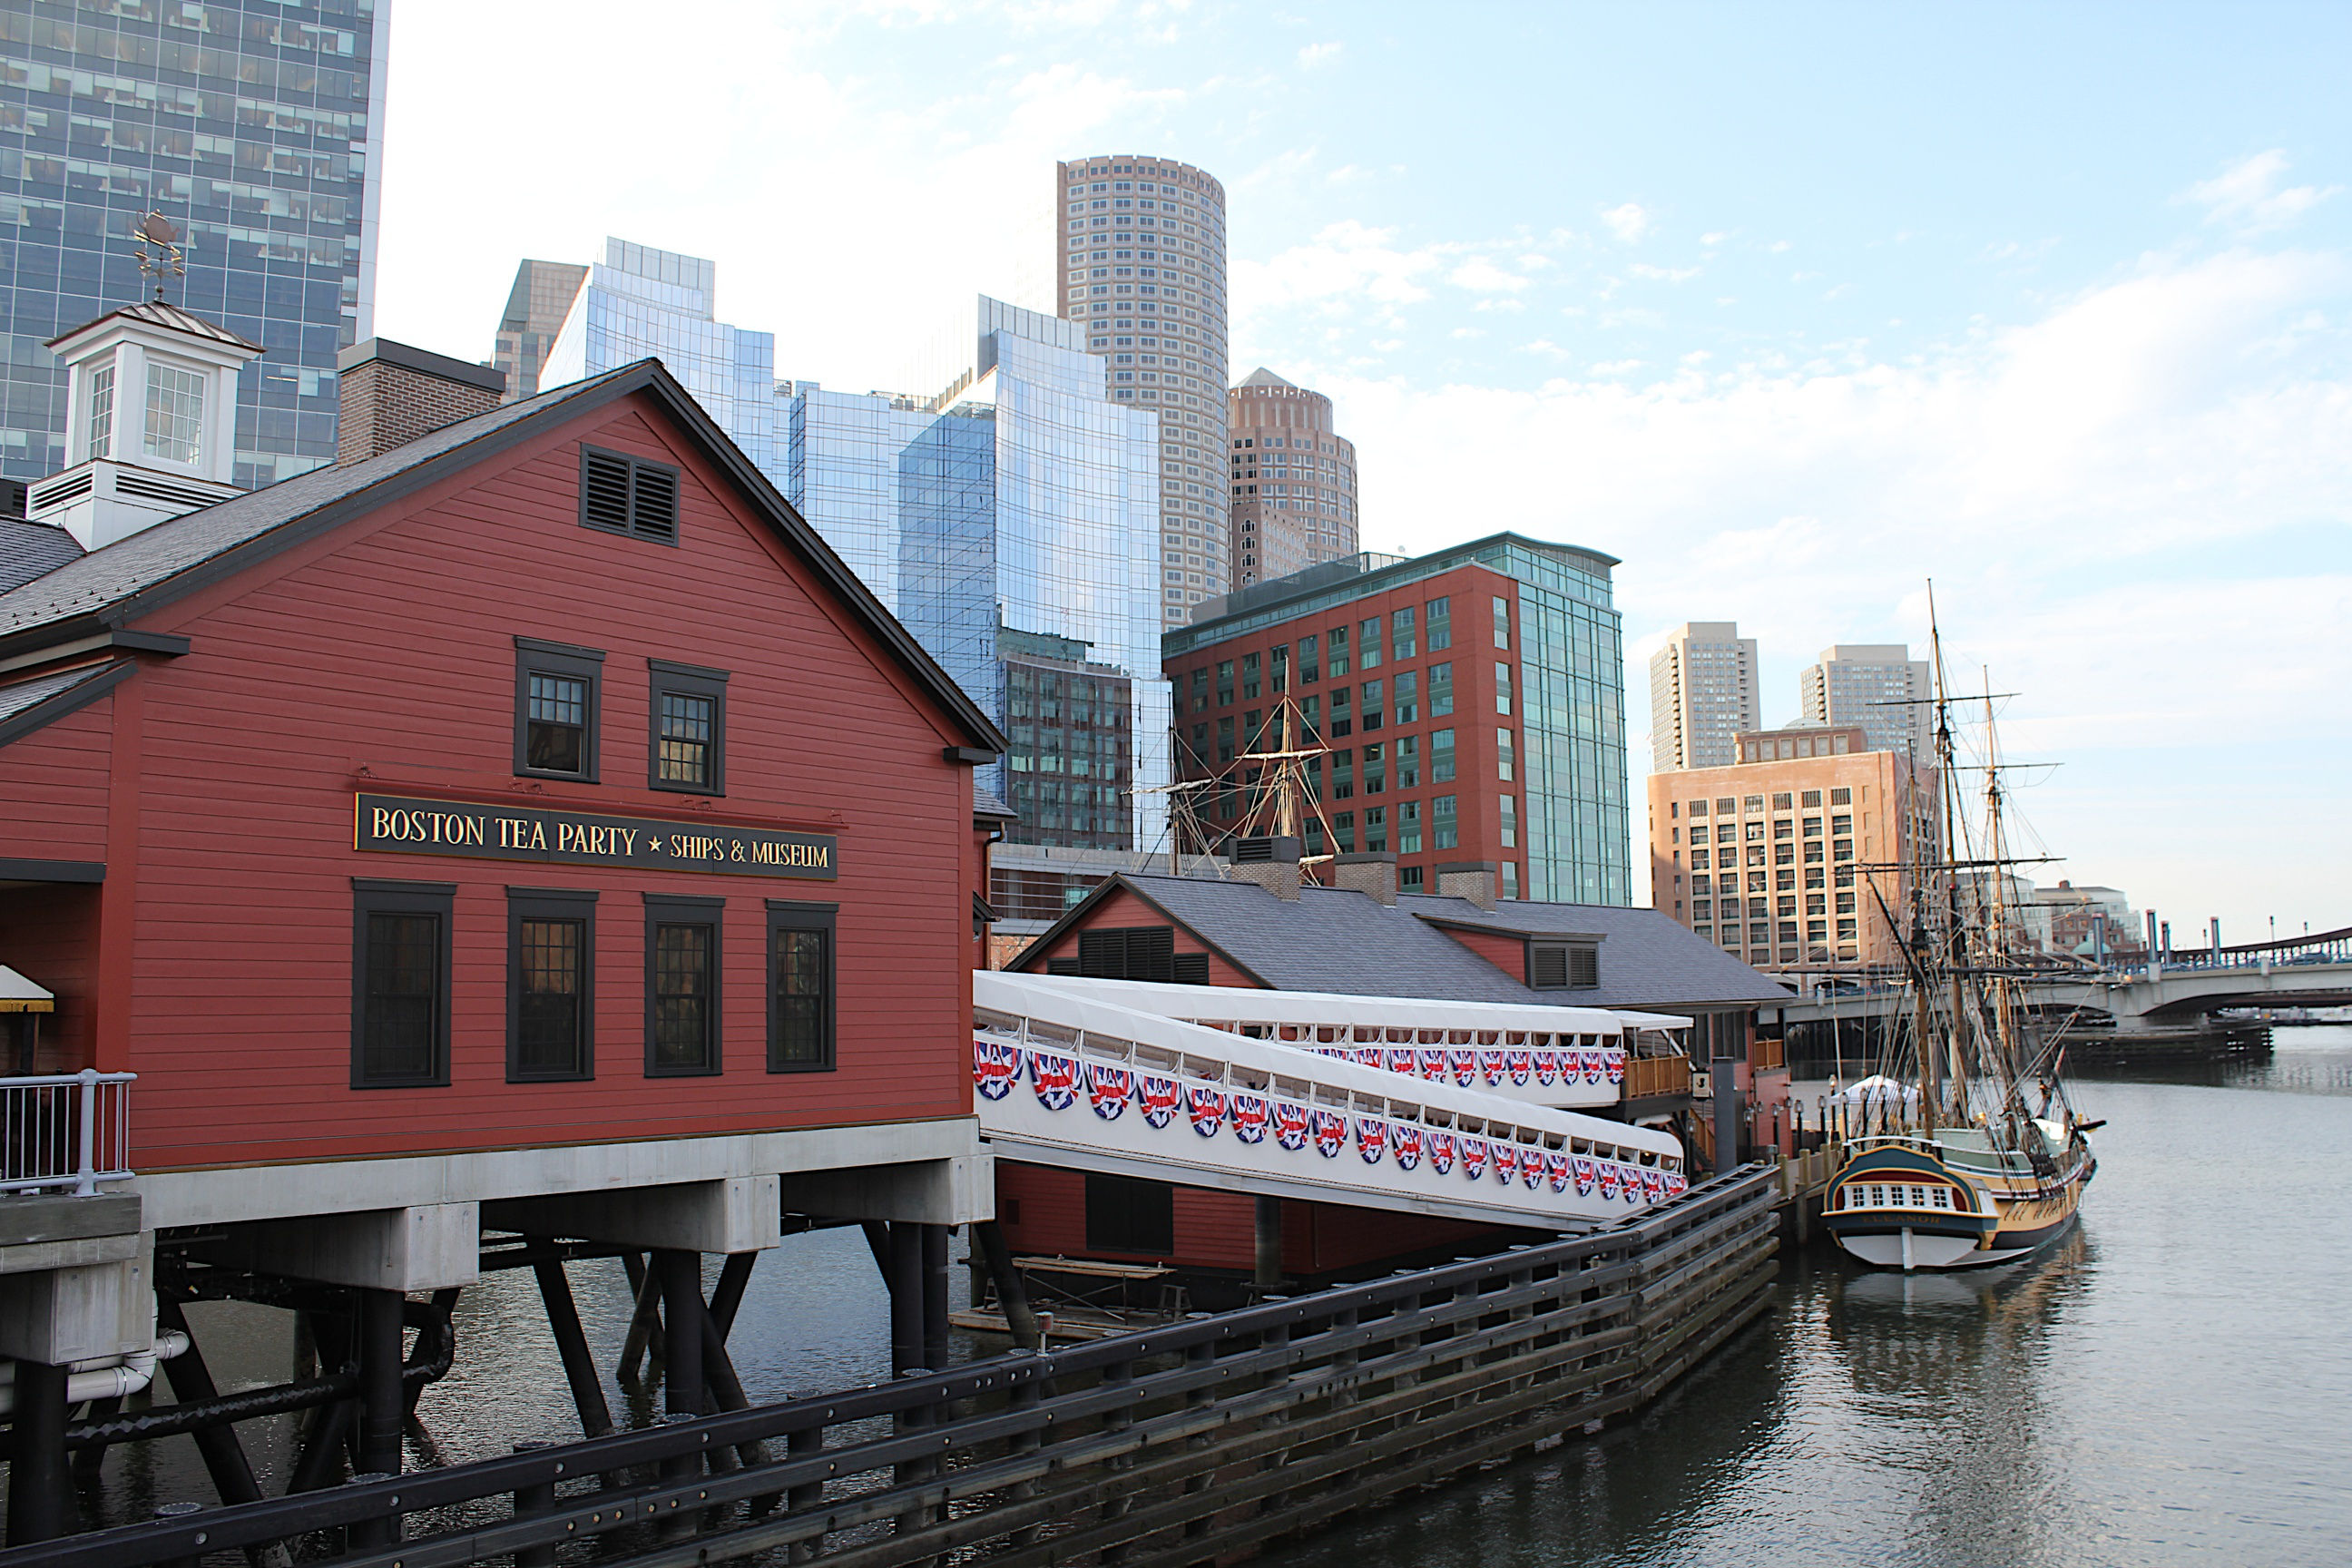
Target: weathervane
(159, 250)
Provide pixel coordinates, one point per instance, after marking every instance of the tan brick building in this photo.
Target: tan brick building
(1294, 502)
(1776, 862)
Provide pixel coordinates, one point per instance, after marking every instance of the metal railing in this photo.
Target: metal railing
(65, 1132)
(2319, 947)
(1154, 1449)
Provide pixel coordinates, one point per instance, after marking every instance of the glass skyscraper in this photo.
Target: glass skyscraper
(639, 304)
(1009, 515)
(255, 127)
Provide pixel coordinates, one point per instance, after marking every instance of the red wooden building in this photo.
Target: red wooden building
(531, 824)
(1263, 927)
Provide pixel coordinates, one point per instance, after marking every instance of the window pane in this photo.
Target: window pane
(556, 724)
(688, 728)
(548, 1009)
(682, 1018)
(404, 963)
(175, 414)
(800, 996)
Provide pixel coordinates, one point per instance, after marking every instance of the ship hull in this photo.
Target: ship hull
(1905, 1205)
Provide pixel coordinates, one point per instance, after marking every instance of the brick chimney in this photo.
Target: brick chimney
(1271, 863)
(1471, 879)
(1372, 874)
(392, 393)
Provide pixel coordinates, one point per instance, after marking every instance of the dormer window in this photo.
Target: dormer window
(1562, 966)
(101, 412)
(175, 414)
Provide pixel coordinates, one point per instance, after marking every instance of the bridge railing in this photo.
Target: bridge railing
(2320, 947)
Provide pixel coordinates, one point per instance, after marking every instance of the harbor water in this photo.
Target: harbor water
(2169, 1386)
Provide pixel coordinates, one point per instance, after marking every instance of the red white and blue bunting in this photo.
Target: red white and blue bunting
(1469, 1067)
(1058, 1079)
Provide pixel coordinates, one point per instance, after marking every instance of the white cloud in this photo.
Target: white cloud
(1343, 267)
(1315, 55)
(1663, 274)
(1629, 221)
(2135, 510)
(1482, 276)
(2246, 196)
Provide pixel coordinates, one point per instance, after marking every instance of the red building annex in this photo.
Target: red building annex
(531, 827)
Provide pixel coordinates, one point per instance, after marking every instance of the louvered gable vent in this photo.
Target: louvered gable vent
(620, 494)
(1558, 966)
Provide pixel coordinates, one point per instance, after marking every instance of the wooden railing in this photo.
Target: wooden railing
(1768, 1052)
(1646, 1077)
(1156, 1449)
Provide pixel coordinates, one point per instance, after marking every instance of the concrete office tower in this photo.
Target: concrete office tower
(1878, 686)
(1702, 696)
(1294, 480)
(1141, 244)
(255, 130)
(639, 302)
(1008, 513)
(541, 298)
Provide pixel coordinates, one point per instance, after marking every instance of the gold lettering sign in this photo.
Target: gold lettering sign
(398, 824)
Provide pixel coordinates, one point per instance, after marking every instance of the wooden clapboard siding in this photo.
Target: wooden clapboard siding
(381, 655)
(53, 783)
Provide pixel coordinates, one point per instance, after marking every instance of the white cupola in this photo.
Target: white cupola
(150, 422)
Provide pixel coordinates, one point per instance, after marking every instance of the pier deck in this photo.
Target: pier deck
(1171, 1446)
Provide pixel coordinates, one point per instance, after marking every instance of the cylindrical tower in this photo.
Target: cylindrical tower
(1140, 243)
(1293, 478)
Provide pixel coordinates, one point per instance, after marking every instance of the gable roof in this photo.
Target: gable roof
(108, 589)
(30, 550)
(1647, 958)
(1338, 940)
(161, 314)
(28, 703)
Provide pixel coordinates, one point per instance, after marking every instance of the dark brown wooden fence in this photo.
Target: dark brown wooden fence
(1171, 1447)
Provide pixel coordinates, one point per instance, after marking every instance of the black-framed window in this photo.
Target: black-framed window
(800, 986)
(682, 971)
(399, 982)
(551, 984)
(687, 707)
(559, 691)
(621, 494)
(1130, 1213)
(1562, 966)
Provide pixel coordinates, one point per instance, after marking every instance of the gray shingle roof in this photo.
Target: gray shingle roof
(30, 550)
(986, 801)
(1647, 959)
(121, 571)
(1336, 940)
(26, 695)
(110, 587)
(1330, 940)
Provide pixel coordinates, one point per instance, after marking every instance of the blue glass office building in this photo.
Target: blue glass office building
(639, 304)
(1009, 515)
(255, 127)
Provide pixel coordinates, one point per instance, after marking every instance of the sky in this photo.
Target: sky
(1793, 308)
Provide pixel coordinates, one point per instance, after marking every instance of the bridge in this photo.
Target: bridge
(2169, 991)
(1081, 1074)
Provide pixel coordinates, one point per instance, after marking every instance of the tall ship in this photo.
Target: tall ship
(1974, 1155)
